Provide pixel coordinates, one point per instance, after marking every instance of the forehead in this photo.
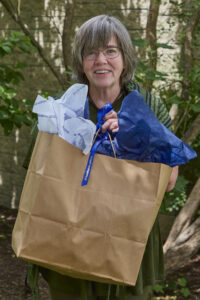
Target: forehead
(101, 42)
(113, 41)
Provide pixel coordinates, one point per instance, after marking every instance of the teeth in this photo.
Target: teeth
(101, 72)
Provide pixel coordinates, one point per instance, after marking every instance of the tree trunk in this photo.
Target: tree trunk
(184, 239)
(187, 58)
(151, 38)
(67, 34)
(193, 131)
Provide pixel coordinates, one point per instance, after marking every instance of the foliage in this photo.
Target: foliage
(170, 91)
(176, 199)
(173, 287)
(12, 111)
(143, 70)
(189, 108)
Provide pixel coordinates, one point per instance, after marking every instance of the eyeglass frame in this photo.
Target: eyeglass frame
(102, 51)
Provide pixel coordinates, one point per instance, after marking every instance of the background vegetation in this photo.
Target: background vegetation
(179, 89)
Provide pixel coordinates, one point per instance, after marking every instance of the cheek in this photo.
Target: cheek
(121, 65)
(84, 68)
(87, 67)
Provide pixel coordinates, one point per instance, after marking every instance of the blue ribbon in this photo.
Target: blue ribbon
(102, 136)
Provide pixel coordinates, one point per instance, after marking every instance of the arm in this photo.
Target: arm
(172, 180)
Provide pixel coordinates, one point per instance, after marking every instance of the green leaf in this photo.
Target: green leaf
(28, 103)
(7, 126)
(18, 120)
(20, 65)
(4, 115)
(185, 291)
(172, 285)
(166, 46)
(195, 107)
(174, 99)
(7, 49)
(139, 42)
(7, 43)
(182, 282)
(2, 52)
(27, 121)
(150, 76)
(14, 103)
(25, 48)
(17, 34)
(158, 288)
(160, 73)
(59, 93)
(12, 113)
(181, 183)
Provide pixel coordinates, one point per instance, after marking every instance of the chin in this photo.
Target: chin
(104, 84)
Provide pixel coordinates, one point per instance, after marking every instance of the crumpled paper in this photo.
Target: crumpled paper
(140, 137)
(64, 117)
(143, 138)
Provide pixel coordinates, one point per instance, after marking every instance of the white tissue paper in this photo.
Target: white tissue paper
(65, 117)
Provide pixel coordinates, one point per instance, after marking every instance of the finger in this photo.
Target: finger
(115, 130)
(110, 124)
(106, 125)
(114, 126)
(111, 115)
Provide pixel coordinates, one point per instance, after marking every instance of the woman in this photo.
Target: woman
(103, 58)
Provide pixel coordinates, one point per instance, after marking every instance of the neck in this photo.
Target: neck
(102, 96)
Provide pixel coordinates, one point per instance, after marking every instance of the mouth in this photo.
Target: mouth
(101, 71)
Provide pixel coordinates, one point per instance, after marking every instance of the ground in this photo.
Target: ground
(13, 270)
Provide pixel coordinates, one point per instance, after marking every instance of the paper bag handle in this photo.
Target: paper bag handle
(97, 132)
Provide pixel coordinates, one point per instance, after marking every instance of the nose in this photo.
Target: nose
(100, 57)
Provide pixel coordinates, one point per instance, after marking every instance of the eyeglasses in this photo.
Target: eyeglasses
(109, 53)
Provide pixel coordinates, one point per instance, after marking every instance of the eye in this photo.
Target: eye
(111, 50)
(91, 52)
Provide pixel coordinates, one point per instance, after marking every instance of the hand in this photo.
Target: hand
(111, 122)
(172, 180)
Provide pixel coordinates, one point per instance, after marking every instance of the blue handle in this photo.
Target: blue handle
(100, 115)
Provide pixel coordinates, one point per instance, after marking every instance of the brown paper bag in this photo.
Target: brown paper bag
(96, 232)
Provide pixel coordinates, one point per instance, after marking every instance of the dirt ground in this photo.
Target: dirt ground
(13, 270)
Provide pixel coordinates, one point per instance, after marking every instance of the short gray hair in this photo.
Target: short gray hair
(96, 33)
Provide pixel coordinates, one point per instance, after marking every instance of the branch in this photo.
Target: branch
(11, 10)
(173, 112)
(178, 256)
(189, 232)
(184, 218)
(183, 117)
(193, 131)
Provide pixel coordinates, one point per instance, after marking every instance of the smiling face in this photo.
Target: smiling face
(102, 72)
